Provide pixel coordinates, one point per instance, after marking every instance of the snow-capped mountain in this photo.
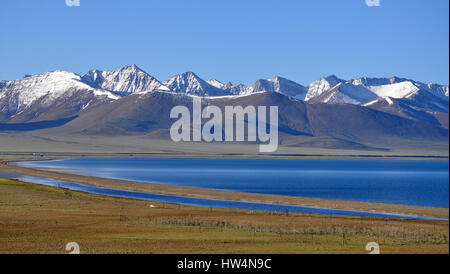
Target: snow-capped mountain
(321, 85)
(126, 80)
(280, 85)
(427, 96)
(190, 83)
(431, 97)
(239, 89)
(400, 88)
(276, 84)
(345, 93)
(231, 89)
(32, 98)
(216, 83)
(62, 94)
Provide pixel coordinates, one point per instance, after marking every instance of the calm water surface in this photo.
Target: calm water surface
(424, 183)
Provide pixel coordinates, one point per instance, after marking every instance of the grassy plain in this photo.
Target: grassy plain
(41, 219)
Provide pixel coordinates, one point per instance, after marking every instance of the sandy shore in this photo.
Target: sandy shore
(230, 195)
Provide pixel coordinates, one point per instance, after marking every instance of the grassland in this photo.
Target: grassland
(40, 219)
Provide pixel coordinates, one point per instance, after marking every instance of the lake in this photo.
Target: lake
(423, 183)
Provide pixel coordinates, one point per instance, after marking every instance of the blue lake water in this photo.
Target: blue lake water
(423, 183)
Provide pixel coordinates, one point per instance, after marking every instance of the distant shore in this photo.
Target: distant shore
(229, 195)
(43, 156)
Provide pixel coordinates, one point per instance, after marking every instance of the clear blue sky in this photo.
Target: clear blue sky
(231, 40)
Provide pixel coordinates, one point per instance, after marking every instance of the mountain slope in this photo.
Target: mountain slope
(133, 114)
(351, 124)
(402, 108)
(361, 124)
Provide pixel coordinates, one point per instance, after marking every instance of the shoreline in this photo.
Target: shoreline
(195, 192)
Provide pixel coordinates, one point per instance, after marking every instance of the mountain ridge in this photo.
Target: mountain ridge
(332, 111)
(131, 79)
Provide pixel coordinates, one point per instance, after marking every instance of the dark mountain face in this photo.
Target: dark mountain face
(134, 114)
(352, 122)
(427, 101)
(94, 78)
(137, 114)
(401, 108)
(31, 126)
(442, 118)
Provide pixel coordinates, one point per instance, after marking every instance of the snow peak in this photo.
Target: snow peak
(212, 129)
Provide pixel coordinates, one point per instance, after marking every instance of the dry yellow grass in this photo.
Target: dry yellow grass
(40, 219)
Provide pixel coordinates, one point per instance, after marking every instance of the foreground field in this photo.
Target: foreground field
(40, 219)
(228, 195)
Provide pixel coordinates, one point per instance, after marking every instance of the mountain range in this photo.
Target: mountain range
(336, 112)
